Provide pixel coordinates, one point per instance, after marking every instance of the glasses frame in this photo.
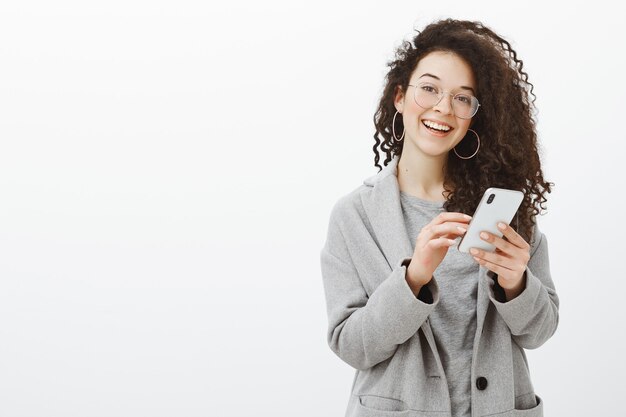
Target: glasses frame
(441, 94)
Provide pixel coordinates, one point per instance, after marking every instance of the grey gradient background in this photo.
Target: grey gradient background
(167, 170)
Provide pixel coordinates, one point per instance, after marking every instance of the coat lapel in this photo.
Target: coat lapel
(482, 303)
(382, 206)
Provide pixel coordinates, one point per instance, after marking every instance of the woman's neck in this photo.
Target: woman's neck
(421, 177)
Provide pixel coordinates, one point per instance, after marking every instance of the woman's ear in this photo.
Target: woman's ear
(398, 100)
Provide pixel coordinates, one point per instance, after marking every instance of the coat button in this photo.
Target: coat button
(481, 383)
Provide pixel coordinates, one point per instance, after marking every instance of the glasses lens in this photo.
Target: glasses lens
(464, 105)
(426, 95)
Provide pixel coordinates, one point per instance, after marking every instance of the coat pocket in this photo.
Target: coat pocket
(536, 411)
(376, 406)
(532, 411)
(526, 401)
(376, 403)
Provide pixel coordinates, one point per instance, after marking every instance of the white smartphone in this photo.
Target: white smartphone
(496, 205)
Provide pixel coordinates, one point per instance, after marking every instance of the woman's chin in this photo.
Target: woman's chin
(432, 147)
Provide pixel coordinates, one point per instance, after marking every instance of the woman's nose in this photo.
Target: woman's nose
(445, 104)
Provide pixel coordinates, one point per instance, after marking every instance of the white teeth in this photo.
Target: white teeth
(436, 125)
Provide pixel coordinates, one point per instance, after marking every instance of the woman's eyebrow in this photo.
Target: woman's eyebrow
(437, 78)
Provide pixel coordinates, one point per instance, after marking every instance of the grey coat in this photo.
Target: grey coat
(378, 326)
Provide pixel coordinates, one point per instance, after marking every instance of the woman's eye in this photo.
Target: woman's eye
(464, 99)
(429, 88)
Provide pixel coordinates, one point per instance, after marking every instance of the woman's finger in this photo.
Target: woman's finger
(501, 244)
(450, 217)
(498, 269)
(513, 236)
(495, 258)
(449, 229)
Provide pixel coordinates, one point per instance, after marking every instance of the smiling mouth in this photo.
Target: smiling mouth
(436, 131)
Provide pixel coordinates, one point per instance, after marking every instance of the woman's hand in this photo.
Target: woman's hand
(508, 261)
(432, 244)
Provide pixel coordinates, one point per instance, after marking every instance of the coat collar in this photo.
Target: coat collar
(384, 211)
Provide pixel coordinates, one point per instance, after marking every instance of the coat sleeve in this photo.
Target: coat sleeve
(533, 316)
(364, 331)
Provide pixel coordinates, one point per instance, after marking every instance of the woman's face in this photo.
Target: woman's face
(450, 73)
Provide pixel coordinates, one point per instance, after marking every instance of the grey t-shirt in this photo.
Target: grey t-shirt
(453, 320)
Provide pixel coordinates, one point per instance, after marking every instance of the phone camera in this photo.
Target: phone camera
(490, 199)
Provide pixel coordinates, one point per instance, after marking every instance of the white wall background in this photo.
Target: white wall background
(167, 170)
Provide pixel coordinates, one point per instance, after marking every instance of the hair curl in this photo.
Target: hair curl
(508, 156)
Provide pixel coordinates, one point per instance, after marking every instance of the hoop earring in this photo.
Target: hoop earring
(393, 128)
(475, 152)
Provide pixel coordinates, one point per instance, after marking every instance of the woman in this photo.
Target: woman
(432, 331)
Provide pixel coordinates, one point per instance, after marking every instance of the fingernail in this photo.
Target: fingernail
(484, 235)
(462, 229)
(468, 217)
(474, 251)
(501, 226)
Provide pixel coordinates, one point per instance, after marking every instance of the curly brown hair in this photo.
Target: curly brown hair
(508, 156)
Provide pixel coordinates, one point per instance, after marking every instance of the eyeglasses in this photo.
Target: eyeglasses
(427, 95)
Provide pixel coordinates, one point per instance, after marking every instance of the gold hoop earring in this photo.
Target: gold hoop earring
(393, 128)
(475, 152)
